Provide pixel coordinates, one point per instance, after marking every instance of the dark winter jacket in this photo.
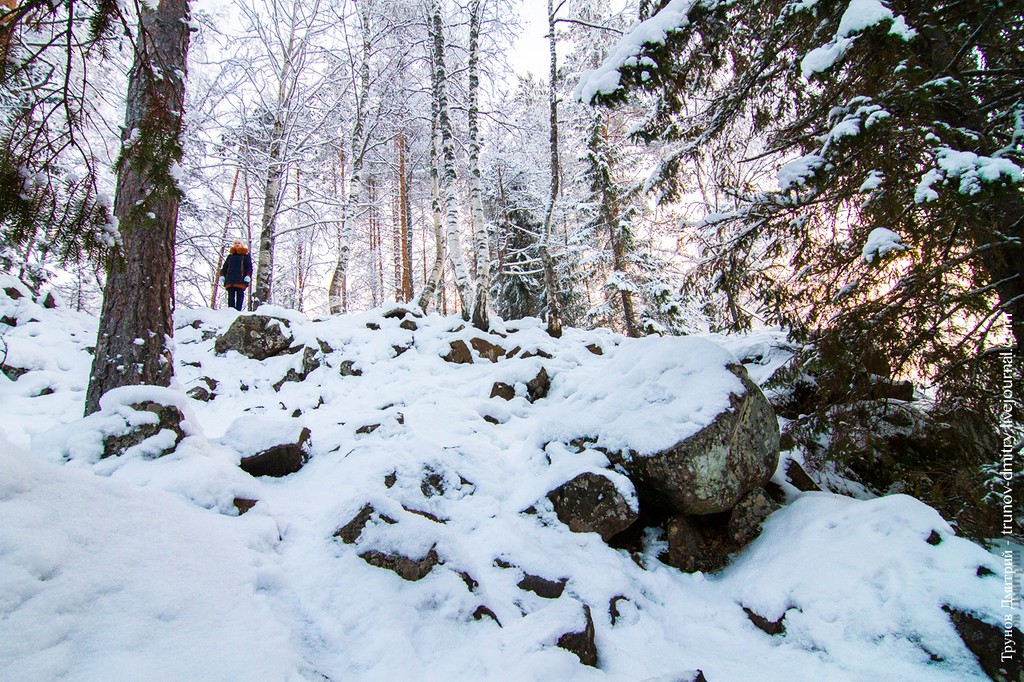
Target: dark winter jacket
(237, 266)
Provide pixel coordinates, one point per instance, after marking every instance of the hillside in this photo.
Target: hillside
(141, 566)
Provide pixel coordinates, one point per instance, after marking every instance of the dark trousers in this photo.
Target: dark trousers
(236, 297)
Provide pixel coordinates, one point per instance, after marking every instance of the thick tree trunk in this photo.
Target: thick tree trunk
(133, 346)
(554, 312)
(483, 252)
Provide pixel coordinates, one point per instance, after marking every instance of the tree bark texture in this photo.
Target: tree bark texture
(554, 312)
(133, 345)
(483, 251)
(451, 206)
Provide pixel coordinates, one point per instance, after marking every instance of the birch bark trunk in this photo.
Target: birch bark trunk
(481, 318)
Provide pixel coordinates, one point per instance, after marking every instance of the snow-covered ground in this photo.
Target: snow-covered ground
(132, 568)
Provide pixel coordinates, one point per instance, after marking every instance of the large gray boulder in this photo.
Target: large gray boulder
(255, 336)
(711, 470)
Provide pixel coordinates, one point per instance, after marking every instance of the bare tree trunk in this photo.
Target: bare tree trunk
(547, 259)
(432, 282)
(451, 206)
(336, 299)
(403, 220)
(263, 290)
(483, 252)
(133, 343)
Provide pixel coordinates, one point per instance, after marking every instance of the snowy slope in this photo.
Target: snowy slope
(134, 568)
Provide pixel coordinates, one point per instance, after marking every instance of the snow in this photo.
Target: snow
(970, 168)
(859, 16)
(605, 79)
(880, 242)
(132, 567)
(797, 172)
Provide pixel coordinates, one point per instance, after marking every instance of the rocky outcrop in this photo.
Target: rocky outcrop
(279, 460)
(590, 503)
(986, 642)
(309, 363)
(168, 417)
(711, 470)
(257, 337)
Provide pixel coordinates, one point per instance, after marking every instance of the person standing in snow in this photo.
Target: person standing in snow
(236, 273)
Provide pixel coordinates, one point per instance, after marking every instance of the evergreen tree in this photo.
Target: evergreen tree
(892, 244)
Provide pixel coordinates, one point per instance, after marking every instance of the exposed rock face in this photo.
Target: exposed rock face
(503, 391)
(582, 642)
(711, 470)
(591, 503)
(538, 387)
(685, 545)
(406, 568)
(169, 417)
(278, 460)
(459, 353)
(255, 336)
(748, 515)
(310, 363)
(986, 643)
(486, 349)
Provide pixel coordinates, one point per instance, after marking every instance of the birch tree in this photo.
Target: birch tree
(483, 251)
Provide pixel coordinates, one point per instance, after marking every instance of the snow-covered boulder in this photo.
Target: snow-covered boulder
(255, 336)
(269, 446)
(592, 503)
(709, 471)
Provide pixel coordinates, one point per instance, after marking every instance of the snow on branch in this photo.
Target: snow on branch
(605, 79)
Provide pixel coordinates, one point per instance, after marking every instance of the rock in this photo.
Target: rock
(406, 568)
(310, 362)
(489, 419)
(595, 349)
(582, 642)
(200, 393)
(278, 460)
(770, 627)
(13, 293)
(351, 531)
(12, 373)
(934, 539)
(168, 417)
(373, 326)
(486, 349)
(401, 313)
(685, 545)
(424, 514)
(459, 353)
(408, 325)
(538, 387)
(484, 612)
(503, 391)
(748, 515)
(799, 477)
(347, 369)
(542, 587)
(255, 336)
(613, 608)
(9, 321)
(244, 504)
(49, 301)
(432, 484)
(590, 503)
(986, 642)
(367, 428)
(711, 470)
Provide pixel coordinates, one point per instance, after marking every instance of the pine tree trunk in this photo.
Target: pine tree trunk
(133, 346)
(483, 251)
(554, 312)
